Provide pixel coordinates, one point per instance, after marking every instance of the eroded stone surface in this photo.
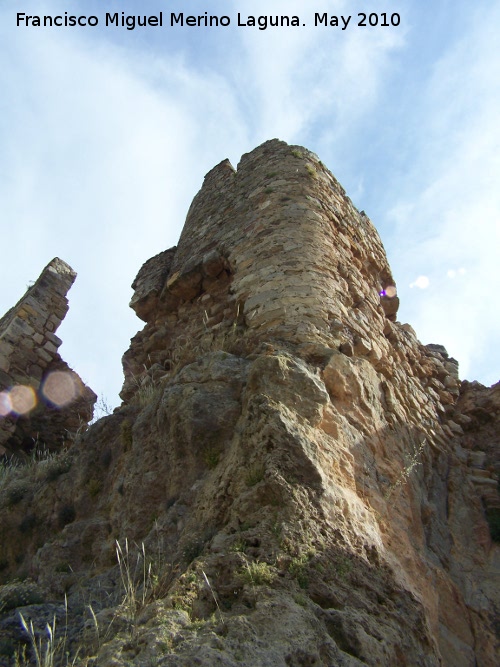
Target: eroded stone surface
(311, 484)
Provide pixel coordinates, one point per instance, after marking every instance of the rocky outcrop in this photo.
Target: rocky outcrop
(43, 402)
(291, 478)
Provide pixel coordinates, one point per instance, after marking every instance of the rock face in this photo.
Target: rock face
(292, 478)
(42, 401)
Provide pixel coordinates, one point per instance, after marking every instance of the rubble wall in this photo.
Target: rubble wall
(28, 356)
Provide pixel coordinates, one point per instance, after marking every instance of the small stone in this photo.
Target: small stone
(347, 349)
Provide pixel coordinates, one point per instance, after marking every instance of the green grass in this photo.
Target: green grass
(257, 574)
(255, 474)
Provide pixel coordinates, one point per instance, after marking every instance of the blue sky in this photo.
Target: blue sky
(106, 134)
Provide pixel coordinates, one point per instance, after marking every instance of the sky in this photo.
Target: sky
(106, 135)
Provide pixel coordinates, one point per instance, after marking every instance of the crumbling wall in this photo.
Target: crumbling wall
(42, 401)
(276, 247)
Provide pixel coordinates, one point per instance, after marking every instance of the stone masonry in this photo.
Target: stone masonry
(28, 355)
(276, 246)
(307, 482)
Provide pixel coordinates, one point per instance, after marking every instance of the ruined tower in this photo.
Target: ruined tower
(277, 247)
(299, 480)
(43, 402)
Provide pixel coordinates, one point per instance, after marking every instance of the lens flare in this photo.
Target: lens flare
(389, 291)
(22, 399)
(5, 404)
(60, 388)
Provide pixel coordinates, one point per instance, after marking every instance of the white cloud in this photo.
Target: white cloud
(453, 219)
(422, 282)
(100, 166)
(313, 81)
(105, 144)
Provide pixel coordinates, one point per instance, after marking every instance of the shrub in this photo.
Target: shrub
(211, 457)
(311, 171)
(257, 574)
(94, 487)
(298, 570)
(255, 474)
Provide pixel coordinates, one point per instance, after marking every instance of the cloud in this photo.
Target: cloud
(106, 138)
(422, 282)
(449, 211)
(313, 83)
(106, 142)
(104, 150)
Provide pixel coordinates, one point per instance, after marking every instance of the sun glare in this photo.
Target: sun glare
(22, 399)
(59, 388)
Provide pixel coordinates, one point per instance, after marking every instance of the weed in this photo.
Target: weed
(47, 652)
(342, 565)
(147, 393)
(297, 153)
(277, 528)
(300, 599)
(136, 578)
(94, 487)
(211, 457)
(239, 546)
(16, 494)
(269, 190)
(57, 466)
(257, 574)
(8, 467)
(255, 474)
(407, 470)
(101, 409)
(298, 570)
(193, 549)
(311, 171)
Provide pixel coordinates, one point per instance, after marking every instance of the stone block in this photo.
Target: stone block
(185, 286)
(50, 347)
(213, 263)
(44, 356)
(362, 346)
(6, 348)
(52, 338)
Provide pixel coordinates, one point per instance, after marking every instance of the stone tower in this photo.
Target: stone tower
(277, 247)
(295, 478)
